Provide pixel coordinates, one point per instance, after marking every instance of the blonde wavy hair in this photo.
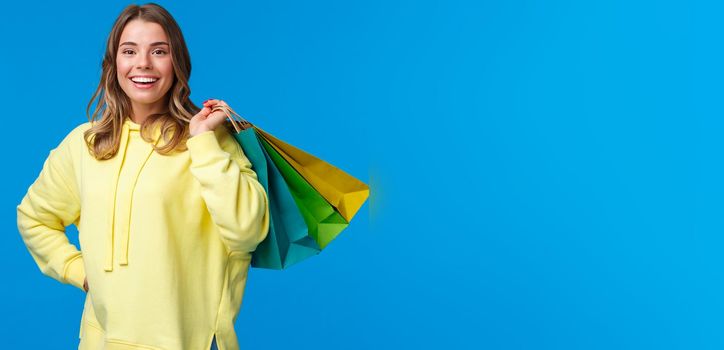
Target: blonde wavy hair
(113, 105)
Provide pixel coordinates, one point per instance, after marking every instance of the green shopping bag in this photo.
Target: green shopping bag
(323, 221)
(288, 241)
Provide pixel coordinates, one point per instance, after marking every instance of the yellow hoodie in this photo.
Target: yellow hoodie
(165, 239)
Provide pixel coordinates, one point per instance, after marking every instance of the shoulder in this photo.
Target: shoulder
(73, 141)
(76, 135)
(65, 153)
(83, 127)
(79, 129)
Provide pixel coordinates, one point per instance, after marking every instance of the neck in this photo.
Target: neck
(141, 111)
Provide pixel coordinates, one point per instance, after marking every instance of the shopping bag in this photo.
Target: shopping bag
(323, 221)
(343, 191)
(288, 241)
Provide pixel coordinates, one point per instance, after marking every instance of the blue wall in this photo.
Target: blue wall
(544, 174)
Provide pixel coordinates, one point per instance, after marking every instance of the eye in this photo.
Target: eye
(161, 51)
(127, 51)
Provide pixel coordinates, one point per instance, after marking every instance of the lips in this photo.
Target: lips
(144, 85)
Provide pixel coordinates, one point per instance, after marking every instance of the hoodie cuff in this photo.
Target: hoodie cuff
(75, 272)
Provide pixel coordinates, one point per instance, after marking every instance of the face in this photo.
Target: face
(144, 57)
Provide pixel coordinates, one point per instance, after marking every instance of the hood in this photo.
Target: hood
(121, 216)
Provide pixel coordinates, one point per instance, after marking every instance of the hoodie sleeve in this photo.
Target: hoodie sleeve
(50, 204)
(237, 202)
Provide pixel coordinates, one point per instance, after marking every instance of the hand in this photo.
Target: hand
(205, 120)
(85, 284)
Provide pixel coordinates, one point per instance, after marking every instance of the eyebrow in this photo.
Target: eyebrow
(152, 44)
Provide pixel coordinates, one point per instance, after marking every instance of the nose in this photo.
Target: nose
(143, 62)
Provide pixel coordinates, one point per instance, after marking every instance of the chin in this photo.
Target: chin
(143, 100)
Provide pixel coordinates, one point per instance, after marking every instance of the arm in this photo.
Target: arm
(52, 203)
(237, 202)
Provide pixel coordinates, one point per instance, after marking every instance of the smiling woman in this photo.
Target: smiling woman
(144, 67)
(166, 231)
(145, 44)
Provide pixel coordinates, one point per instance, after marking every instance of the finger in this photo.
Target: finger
(211, 102)
(223, 107)
(214, 102)
(204, 112)
(218, 115)
(217, 110)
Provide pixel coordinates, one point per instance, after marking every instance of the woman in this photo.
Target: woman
(167, 206)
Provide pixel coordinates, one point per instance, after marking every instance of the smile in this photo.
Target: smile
(144, 83)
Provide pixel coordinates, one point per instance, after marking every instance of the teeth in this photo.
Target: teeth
(144, 80)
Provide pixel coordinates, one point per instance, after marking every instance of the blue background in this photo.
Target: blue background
(544, 174)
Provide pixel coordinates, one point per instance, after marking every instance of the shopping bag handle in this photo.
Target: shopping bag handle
(243, 124)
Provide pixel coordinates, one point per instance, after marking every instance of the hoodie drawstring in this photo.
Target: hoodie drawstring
(124, 232)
